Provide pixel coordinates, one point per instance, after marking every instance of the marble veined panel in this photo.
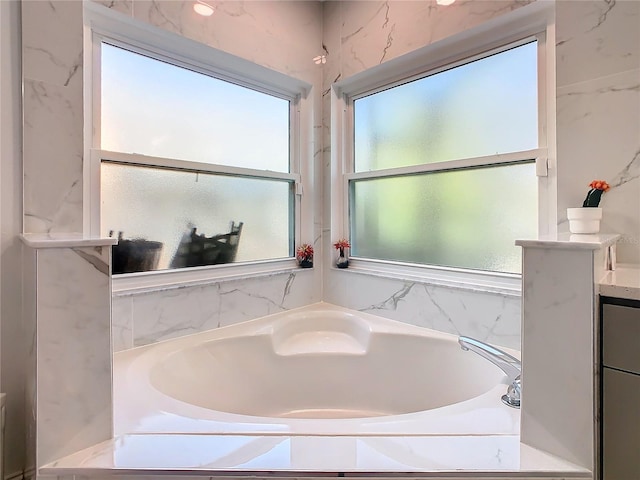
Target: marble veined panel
(557, 353)
(73, 350)
(598, 125)
(331, 28)
(246, 300)
(289, 19)
(595, 38)
(122, 6)
(165, 314)
(52, 158)
(122, 323)
(171, 313)
(374, 32)
(52, 42)
(283, 36)
(489, 317)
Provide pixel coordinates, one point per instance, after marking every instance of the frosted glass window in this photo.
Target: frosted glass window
(466, 218)
(482, 108)
(158, 209)
(151, 107)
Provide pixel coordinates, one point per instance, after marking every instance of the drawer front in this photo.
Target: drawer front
(621, 426)
(621, 337)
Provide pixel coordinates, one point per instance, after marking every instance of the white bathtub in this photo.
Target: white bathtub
(318, 370)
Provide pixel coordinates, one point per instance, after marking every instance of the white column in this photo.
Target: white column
(67, 307)
(559, 347)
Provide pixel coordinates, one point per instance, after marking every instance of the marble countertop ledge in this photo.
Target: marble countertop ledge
(65, 240)
(571, 241)
(274, 456)
(623, 282)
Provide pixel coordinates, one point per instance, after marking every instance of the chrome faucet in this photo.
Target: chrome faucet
(510, 365)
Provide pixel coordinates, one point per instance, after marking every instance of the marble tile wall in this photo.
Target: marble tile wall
(598, 122)
(597, 67)
(597, 52)
(53, 119)
(356, 36)
(361, 35)
(598, 112)
(281, 35)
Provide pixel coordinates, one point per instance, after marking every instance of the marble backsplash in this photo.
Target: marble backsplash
(140, 319)
(489, 317)
(144, 318)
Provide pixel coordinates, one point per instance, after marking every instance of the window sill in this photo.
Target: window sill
(507, 284)
(144, 282)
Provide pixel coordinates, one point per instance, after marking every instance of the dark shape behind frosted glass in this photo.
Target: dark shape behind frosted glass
(235, 219)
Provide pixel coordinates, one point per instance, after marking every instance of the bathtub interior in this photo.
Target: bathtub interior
(319, 369)
(324, 374)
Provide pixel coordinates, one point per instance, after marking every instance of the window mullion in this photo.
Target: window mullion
(499, 159)
(145, 160)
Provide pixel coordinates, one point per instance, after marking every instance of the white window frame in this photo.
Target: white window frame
(534, 21)
(102, 24)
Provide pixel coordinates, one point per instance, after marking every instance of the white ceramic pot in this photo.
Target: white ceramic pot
(584, 219)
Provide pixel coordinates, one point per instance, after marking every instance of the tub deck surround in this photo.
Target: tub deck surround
(451, 457)
(165, 425)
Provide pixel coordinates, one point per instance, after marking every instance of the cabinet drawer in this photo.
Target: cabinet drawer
(620, 426)
(621, 337)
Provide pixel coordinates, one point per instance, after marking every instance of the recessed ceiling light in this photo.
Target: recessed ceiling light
(445, 2)
(202, 8)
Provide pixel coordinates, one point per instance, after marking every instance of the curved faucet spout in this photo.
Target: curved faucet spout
(510, 365)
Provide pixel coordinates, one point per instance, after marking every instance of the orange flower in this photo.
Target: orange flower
(600, 185)
(342, 243)
(304, 252)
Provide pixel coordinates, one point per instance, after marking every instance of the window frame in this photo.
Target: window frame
(103, 25)
(532, 22)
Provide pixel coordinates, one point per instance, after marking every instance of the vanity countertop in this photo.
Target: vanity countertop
(623, 282)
